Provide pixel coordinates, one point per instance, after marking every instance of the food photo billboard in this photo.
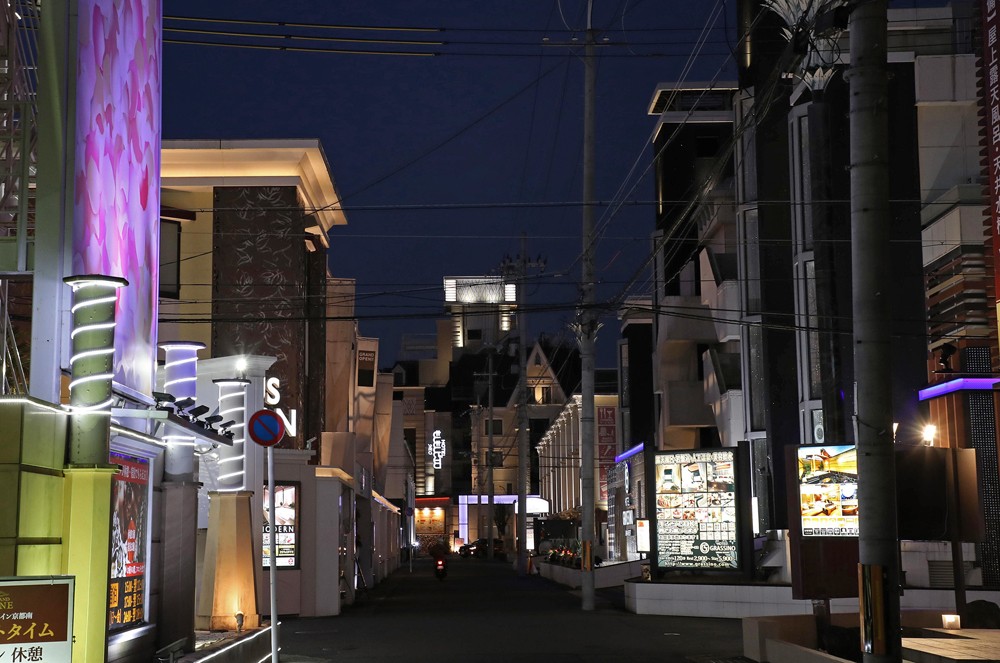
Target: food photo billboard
(699, 524)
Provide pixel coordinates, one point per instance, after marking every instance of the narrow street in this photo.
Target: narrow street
(482, 611)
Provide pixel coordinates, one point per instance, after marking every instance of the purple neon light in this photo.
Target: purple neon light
(631, 452)
(958, 384)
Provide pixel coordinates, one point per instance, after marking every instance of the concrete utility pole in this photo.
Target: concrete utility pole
(870, 218)
(523, 464)
(522, 417)
(588, 324)
(489, 464)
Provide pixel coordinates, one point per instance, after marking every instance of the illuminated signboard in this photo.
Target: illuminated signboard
(436, 449)
(36, 619)
(116, 222)
(989, 101)
(828, 490)
(642, 535)
(130, 504)
(286, 521)
(696, 524)
(606, 445)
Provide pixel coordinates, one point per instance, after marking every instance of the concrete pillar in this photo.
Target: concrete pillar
(86, 533)
(227, 585)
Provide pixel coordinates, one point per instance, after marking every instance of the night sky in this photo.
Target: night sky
(444, 161)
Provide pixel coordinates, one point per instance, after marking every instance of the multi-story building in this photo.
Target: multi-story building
(752, 305)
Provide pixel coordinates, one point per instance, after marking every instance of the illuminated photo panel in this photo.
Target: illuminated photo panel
(129, 531)
(285, 530)
(828, 490)
(696, 515)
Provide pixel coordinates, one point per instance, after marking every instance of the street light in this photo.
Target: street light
(929, 433)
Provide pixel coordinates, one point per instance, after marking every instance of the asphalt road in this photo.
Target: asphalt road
(484, 612)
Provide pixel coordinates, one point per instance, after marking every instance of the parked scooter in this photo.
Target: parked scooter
(440, 568)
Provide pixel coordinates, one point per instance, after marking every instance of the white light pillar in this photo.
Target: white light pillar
(180, 380)
(232, 460)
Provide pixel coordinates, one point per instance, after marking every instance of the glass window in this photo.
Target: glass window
(751, 263)
(758, 392)
(812, 333)
(170, 259)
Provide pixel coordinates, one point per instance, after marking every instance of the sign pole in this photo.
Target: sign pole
(274, 552)
(266, 429)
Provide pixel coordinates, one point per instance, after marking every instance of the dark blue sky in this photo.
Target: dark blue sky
(437, 156)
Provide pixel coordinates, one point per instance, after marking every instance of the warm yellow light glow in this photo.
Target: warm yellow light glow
(930, 432)
(951, 621)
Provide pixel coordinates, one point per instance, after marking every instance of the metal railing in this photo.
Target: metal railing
(18, 132)
(12, 377)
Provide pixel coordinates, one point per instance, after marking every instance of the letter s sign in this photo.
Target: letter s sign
(271, 394)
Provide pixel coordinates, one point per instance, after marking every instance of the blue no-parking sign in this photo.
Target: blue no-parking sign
(266, 428)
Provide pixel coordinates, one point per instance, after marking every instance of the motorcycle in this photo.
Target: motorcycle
(440, 569)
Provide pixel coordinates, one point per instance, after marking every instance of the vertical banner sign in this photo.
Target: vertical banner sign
(366, 368)
(642, 535)
(36, 620)
(284, 531)
(606, 445)
(437, 449)
(696, 525)
(129, 509)
(990, 94)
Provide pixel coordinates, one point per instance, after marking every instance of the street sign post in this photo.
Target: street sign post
(266, 429)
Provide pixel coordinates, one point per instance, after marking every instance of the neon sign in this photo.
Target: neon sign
(437, 449)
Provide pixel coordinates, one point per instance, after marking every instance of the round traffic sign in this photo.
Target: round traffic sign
(266, 428)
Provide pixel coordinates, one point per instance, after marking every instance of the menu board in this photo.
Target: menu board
(828, 490)
(285, 526)
(696, 509)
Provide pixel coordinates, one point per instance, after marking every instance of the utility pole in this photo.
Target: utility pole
(588, 326)
(878, 578)
(489, 463)
(523, 464)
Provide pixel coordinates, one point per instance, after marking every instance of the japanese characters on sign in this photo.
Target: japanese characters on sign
(990, 92)
(284, 530)
(828, 490)
(696, 525)
(606, 445)
(129, 509)
(36, 620)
